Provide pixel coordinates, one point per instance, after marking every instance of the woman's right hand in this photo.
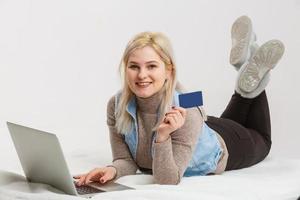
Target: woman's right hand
(173, 120)
(101, 175)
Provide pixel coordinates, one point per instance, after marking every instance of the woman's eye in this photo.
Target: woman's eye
(152, 66)
(133, 66)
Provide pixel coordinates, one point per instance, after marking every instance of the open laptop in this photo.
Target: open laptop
(43, 161)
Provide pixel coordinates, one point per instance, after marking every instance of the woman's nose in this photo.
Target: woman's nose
(142, 74)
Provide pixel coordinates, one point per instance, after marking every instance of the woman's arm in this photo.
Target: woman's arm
(122, 159)
(172, 156)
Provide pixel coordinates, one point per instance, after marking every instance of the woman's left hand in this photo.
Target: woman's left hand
(173, 120)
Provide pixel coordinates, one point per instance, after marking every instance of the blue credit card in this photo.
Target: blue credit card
(189, 100)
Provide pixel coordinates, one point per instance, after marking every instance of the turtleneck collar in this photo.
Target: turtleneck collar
(150, 104)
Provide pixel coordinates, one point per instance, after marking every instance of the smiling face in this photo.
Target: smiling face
(146, 72)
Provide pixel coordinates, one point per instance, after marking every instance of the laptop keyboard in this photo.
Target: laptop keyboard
(86, 190)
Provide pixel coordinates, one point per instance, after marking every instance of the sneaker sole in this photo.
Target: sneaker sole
(241, 33)
(264, 59)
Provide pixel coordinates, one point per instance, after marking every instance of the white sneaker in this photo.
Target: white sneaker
(263, 60)
(243, 38)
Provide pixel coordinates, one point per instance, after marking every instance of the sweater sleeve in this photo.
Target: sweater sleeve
(172, 156)
(122, 159)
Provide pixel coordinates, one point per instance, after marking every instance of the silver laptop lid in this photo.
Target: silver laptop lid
(41, 157)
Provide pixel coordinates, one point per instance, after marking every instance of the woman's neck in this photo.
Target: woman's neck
(150, 104)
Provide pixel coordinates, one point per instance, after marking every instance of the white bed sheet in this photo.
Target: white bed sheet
(273, 178)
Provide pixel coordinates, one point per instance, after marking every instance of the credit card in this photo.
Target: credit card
(192, 99)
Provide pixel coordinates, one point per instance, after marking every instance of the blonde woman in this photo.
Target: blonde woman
(151, 133)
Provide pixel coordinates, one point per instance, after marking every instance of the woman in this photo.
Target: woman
(150, 132)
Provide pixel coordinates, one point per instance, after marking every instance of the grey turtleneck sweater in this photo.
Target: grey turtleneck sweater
(171, 157)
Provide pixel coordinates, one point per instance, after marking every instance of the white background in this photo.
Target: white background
(59, 63)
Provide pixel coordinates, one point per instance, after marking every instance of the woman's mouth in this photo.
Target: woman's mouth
(143, 84)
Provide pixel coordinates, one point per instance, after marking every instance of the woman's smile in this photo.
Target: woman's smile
(143, 84)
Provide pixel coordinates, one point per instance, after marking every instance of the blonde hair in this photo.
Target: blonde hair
(162, 46)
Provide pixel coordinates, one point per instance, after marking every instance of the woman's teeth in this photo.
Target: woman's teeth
(143, 84)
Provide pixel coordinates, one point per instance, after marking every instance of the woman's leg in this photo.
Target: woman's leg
(245, 128)
(249, 141)
(245, 124)
(251, 113)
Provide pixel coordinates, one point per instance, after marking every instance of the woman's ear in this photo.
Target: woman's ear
(169, 72)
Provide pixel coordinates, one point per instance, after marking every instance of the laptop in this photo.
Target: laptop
(43, 161)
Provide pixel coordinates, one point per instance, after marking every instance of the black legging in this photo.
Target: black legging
(246, 129)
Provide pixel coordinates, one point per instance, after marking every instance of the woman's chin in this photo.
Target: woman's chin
(144, 94)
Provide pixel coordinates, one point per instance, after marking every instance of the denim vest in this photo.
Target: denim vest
(206, 153)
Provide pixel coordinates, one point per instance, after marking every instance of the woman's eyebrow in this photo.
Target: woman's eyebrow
(151, 61)
(132, 62)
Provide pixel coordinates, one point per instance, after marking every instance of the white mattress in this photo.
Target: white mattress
(274, 178)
